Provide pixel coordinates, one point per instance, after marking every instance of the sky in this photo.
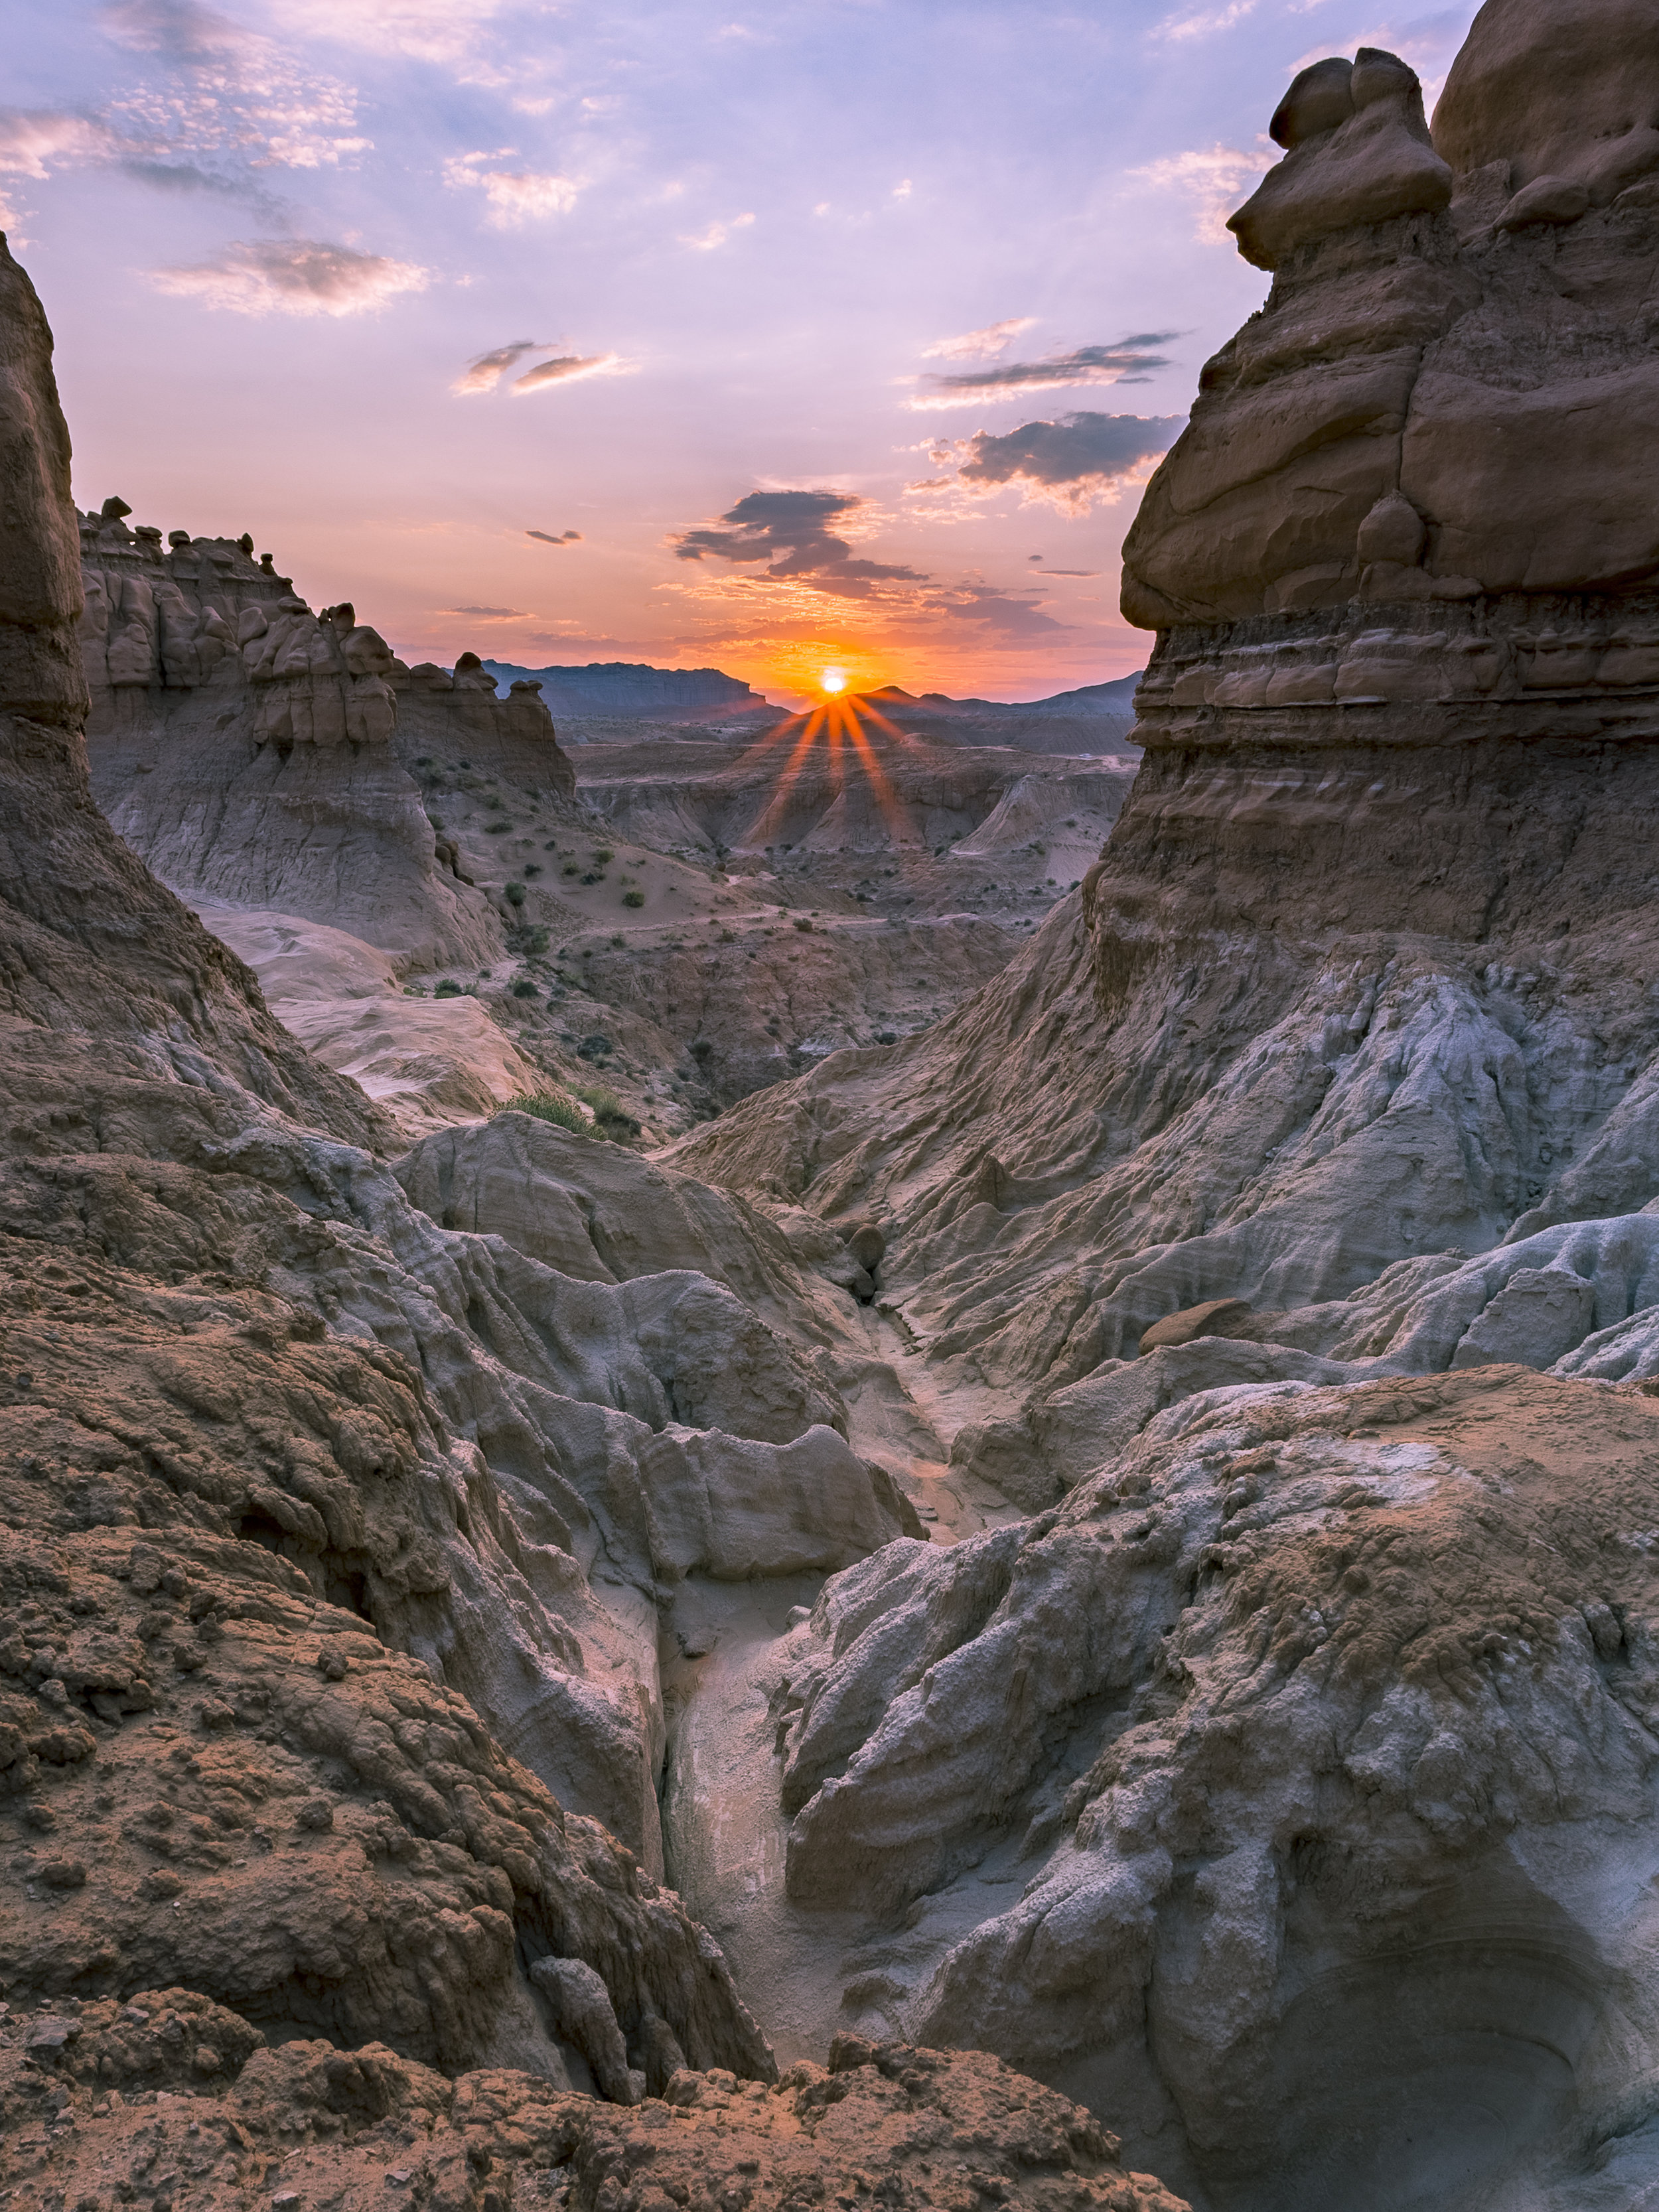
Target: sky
(824, 334)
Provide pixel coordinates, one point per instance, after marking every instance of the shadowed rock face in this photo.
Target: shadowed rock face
(257, 753)
(1447, 399)
(302, 1491)
(40, 578)
(1349, 1035)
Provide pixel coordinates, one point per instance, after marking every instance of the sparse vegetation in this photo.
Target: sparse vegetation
(529, 939)
(603, 854)
(801, 922)
(551, 1106)
(447, 989)
(496, 828)
(610, 1117)
(632, 898)
(514, 894)
(524, 989)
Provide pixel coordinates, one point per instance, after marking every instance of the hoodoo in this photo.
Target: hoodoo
(1310, 1723)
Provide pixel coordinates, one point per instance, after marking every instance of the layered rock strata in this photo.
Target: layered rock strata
(304, 1498)
(252, 750)
(1327, 1890)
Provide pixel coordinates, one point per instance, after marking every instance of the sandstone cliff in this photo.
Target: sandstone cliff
(303, 1493)
(254, 752)
(1341, 1066)
(266, 762)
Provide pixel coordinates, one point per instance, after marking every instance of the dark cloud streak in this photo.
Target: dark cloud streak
(792, 533)
(1089, 364)
(1074, 450)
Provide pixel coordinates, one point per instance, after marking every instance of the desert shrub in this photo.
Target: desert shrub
(551, 1106)
(532, 868)
(619, 941)
(595, 1046)
(603, 853)
(529, 937)
(632, 898)
(524, 989)
(701, 1048)
(610, 1117)
(801, 922)
(593, 876)
(514, 894)
(496, 828)
(447, 989)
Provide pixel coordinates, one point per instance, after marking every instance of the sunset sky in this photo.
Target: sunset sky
(836, 333)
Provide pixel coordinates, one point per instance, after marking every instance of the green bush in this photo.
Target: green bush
(514, 894)
(602, 854)
(524, 989)
(801, 922)
(610, 1117)
(448, 990)
(551, 1106)
(529, 937)
(632, 898)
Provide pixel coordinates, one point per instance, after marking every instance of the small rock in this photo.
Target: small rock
(1216, 1317)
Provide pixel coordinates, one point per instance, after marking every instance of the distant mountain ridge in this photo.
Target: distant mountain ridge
(1115, 698)
(625, 687)
(1091, 723)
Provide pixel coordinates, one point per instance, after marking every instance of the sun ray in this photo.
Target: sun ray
(773, 811)
(887, 798)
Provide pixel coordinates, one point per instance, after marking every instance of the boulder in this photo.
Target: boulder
(1215, 1317)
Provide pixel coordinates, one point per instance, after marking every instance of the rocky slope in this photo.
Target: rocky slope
(257, 756)
(1250, 1732)
(337, 1544)
(1290, 1830)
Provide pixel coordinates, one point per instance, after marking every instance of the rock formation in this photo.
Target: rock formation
(252, 2125)
(1349, 1038)
(301, 1629)
(259, 757)
(1118, 1532)
(254, 752)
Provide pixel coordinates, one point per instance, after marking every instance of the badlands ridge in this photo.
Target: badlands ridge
(1063, 1591)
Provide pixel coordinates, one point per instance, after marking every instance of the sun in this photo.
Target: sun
(833, 680)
